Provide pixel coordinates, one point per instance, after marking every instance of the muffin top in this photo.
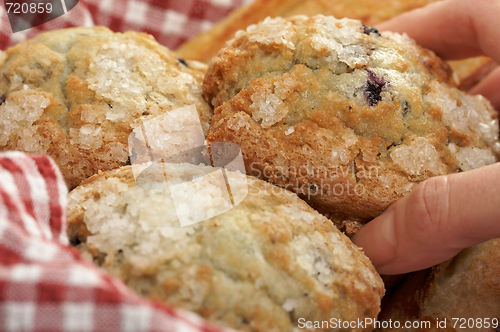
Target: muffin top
(339, 98)
(76, 94)
(260, 266)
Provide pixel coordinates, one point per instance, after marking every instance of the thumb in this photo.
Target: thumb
(440, 217)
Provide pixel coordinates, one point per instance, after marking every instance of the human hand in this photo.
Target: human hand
(444, 214)
(457, 29)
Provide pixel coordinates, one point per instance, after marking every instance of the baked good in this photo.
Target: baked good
(348, 118)
(460, 294)
(76, 94)
(471, 71)
(260, 266)
(206, 45)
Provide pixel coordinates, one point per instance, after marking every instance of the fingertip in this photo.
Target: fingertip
(434, 222)
(400, 23)
(378, 239)
(388, 25)
(402, 240)
(449, 28)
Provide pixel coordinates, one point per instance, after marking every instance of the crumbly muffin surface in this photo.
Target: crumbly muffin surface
(348, 118)
(260, 266)
(76, 94)
(465, 287)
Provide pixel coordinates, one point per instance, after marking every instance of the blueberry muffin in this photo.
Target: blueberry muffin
(206, 45)
(269, 264)
(348, 118)
(460, 294)
(76, 94)
(468, 72)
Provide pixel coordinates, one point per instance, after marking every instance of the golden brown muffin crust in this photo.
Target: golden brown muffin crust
(349, 119)
(76, 94)
(260, 266)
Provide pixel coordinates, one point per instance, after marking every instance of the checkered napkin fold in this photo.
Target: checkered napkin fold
(45, 285)
(171, 22)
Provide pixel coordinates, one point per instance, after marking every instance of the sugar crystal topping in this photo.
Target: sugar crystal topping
(471, 157)
(133, 78)
(274, 31)
(382, 72)
(418, 157)
(88, 136)
(21, 110)
(269, 106)
(143, 224)
(473, 116)
(343, 38)
(115, 74)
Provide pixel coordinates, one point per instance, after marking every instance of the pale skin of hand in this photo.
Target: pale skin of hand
(445, 214)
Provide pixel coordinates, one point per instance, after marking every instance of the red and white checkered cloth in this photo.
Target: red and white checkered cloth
(171, 22)
(45, 285)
